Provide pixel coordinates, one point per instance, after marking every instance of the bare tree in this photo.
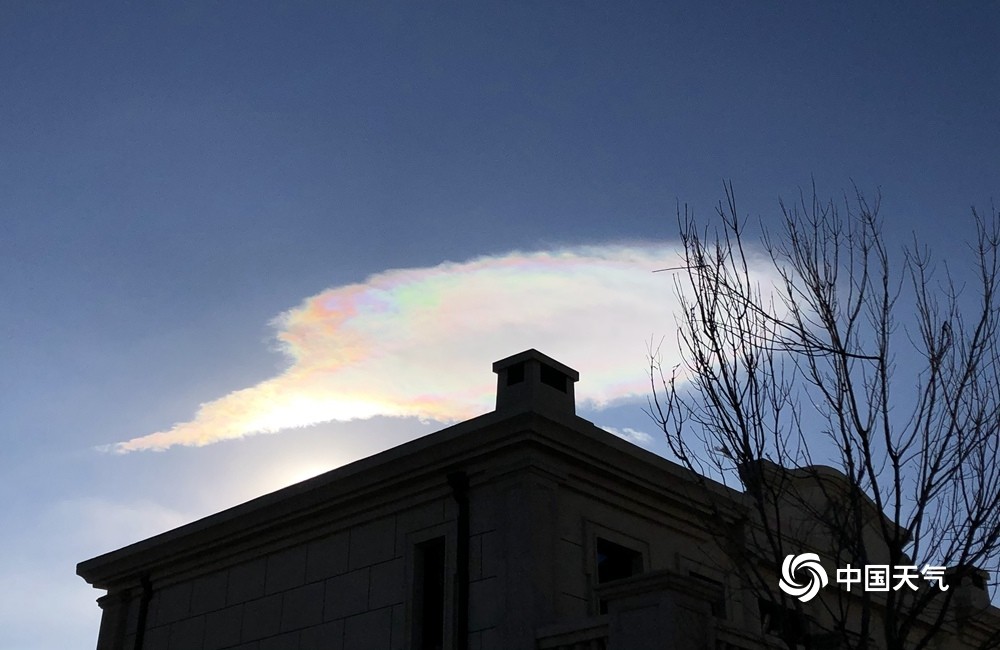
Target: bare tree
(842, 353)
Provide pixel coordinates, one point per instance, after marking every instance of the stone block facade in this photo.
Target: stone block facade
(527, 527)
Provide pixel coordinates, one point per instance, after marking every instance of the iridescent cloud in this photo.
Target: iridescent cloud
(419, 342)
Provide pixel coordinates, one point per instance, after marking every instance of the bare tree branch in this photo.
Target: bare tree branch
(791, 366)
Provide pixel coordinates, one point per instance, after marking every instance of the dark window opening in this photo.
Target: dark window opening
(717, 593)
(428, 601)
(782, 621)
(554, 378)
(515, 374)
(615, 562)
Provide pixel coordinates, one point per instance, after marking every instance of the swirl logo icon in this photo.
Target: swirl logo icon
(792, 568)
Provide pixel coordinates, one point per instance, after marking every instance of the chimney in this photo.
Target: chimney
(531, 381)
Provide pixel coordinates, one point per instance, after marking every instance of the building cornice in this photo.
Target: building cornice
(390, 479)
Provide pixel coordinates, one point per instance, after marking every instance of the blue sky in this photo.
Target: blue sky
(184, 186)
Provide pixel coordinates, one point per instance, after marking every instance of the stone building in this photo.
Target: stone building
(527, 527)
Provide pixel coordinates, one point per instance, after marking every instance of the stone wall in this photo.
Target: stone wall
(345, 589)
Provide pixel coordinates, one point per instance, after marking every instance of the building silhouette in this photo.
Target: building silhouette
(527, 527)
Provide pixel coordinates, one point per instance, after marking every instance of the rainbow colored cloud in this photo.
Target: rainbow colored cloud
(419, 342)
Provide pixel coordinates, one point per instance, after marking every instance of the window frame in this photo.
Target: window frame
(414, 540)
(593, 531)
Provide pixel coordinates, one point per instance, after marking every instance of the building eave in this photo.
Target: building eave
(393, 471)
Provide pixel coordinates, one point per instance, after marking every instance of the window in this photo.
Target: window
(615, 562)
(429, 596)
(717, 591)
(781, 621)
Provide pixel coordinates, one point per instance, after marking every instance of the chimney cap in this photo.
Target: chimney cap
(531, 381)
(533, 354)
